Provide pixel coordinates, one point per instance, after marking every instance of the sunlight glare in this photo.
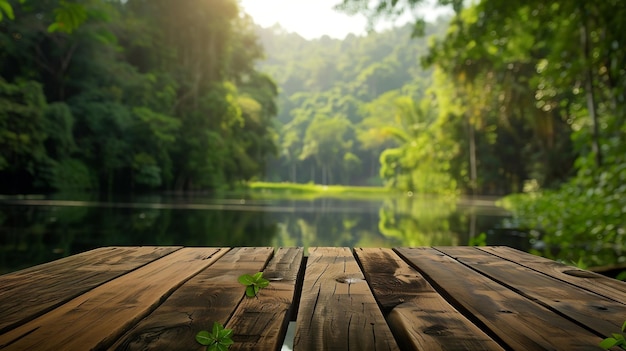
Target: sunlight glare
(309, 18)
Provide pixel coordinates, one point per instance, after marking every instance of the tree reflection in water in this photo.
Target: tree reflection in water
(41, 230)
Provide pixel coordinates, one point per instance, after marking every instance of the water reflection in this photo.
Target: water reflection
(34, 231)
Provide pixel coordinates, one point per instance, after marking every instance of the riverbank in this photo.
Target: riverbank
(271, 190)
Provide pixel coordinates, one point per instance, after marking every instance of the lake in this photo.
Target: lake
(40, 229)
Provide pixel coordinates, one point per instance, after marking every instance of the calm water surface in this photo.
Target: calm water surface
(38, 230)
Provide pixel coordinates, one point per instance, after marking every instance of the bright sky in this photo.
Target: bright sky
(311, 18)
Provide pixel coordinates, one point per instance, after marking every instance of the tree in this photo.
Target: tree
(328, 141)
(137, 95)
(352, 74)
(547, 68)
(22, 151)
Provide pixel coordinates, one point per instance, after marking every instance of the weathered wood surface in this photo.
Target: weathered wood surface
(210, 296)
(98, 317)
(337, 309)
(264, 320)
(29, 293)
(419, 317)
(599, 284)
(442, 298)
(601, 314)
(521, 323)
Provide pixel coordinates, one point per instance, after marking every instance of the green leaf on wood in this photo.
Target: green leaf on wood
(219, 340)
(204, 338)
(617, 340)
(253, 283)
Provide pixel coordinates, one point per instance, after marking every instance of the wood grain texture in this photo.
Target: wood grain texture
(337, 309)
(27, 294)
(419, 317)
(211, 296)
(521, 323)
(599, 313)
(597, 283)
(446, 298)
(98, 317)
(261, 323)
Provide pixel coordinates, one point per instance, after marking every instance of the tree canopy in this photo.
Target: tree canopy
(533, 94)
(130, 95)
(114, 95)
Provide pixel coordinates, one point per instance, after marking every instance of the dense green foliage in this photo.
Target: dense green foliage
(343, 102)
(558, 68)
(131, 95)
(363, 111)
(510, 96)
(533, 95)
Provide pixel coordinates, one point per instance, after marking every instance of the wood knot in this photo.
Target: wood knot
(438, 330)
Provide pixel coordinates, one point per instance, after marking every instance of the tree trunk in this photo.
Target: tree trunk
(589, 92)
(472, 156)
(472, 227)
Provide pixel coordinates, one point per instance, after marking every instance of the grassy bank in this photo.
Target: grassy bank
(268, 189)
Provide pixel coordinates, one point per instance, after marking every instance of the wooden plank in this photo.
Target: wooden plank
(337, 309)
(419, 317)
(261, 323)
(98, 317)
(211, 296)
(597, 312)
(29, 293)
(597, 283)
(521, 323)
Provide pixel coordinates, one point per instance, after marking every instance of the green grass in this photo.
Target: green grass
(268, 189)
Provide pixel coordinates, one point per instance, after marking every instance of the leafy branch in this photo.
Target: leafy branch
(7, 9)
(68, 17)
(219, 340)
(253, 283)
(616, 340)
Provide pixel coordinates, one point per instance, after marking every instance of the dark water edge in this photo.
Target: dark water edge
(35, 230)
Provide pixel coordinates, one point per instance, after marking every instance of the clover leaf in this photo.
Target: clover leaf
(253, 283)
(218, 340)
(616, 340)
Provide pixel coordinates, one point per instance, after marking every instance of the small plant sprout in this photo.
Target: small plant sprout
(253, 283)
(218, 340)
(616, 340)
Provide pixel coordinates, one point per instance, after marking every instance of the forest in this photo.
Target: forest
(470, 106)
(137, 95)
(151, 95)
(501, 97)
(530, 96)
(344, 102)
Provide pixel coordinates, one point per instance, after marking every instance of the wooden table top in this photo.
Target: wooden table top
(426, 298)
